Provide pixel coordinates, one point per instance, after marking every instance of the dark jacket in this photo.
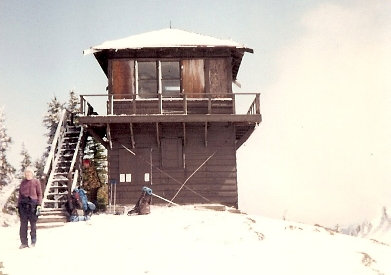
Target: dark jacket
(32, 189)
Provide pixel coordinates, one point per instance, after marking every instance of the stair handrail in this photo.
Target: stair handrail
(74, 181)
(74, 159)
(53, 157)
(57, 136)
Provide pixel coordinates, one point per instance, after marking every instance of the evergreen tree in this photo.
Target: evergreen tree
(6, 169)
(95, 173)
(97, 153)
(39, 165)
(26, 161)
(91, 182)
(52, 117)
(51, 120)
(73, 102)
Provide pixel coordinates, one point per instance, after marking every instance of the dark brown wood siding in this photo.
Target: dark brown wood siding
(121, 80)
(219, 76)
(214, 182)
(193, 77)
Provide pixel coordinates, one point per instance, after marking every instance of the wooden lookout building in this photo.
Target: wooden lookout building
(171, 119)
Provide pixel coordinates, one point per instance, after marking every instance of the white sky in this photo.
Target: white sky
(322, 152)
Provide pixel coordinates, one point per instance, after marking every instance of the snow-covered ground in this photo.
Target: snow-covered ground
(378, 229)
(188, 240)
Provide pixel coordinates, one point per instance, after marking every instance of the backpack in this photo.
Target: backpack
(73, 203)
(142, 206)
(83, 198)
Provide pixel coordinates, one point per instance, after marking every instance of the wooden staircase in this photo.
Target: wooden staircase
(61, 171)
(50, 218)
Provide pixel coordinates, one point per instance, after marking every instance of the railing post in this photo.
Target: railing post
(257, 106)
(233, 103)
(185, 104)
(81, 104)
(160, 104)
(111, 104)
(134, 103)
(209, 104)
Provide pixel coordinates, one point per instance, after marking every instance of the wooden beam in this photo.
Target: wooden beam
(184, 103)
(206, 134)
(131, 135)
(257, 104)
(160, 103)
(157, 135)
(209, 104)
(243, 139)
(184, 133)
(184, 146)
(155, 118)
(97, 137)
(109, 136)
(233, 103)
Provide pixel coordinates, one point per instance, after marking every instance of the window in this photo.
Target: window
(125, 177)
(147, 79)
(170, 78)
(158, 77)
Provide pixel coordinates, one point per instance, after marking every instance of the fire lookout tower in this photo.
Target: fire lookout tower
(172, 121)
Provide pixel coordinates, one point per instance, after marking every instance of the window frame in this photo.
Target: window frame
(159, 77)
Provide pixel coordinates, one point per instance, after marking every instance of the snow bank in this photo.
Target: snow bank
(184, 240)
(378, 229)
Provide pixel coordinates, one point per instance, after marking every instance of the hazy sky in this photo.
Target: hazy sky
(322, 153)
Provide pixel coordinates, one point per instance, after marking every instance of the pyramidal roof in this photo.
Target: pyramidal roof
(165, 38)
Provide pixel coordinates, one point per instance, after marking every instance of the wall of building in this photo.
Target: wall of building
(178, 153)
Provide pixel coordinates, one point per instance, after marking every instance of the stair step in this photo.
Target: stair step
(58, 187)
(57, 194)
(62, 167)
(72, 133)
(61, 174)
(73, 127)
(53, 211)
(50, 225)
(52, 218)
(66, 155)
(60, 180)
(74, 137)
(70, 145)
(55, 201)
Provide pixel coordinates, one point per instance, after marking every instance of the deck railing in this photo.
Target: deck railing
(236, 102)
